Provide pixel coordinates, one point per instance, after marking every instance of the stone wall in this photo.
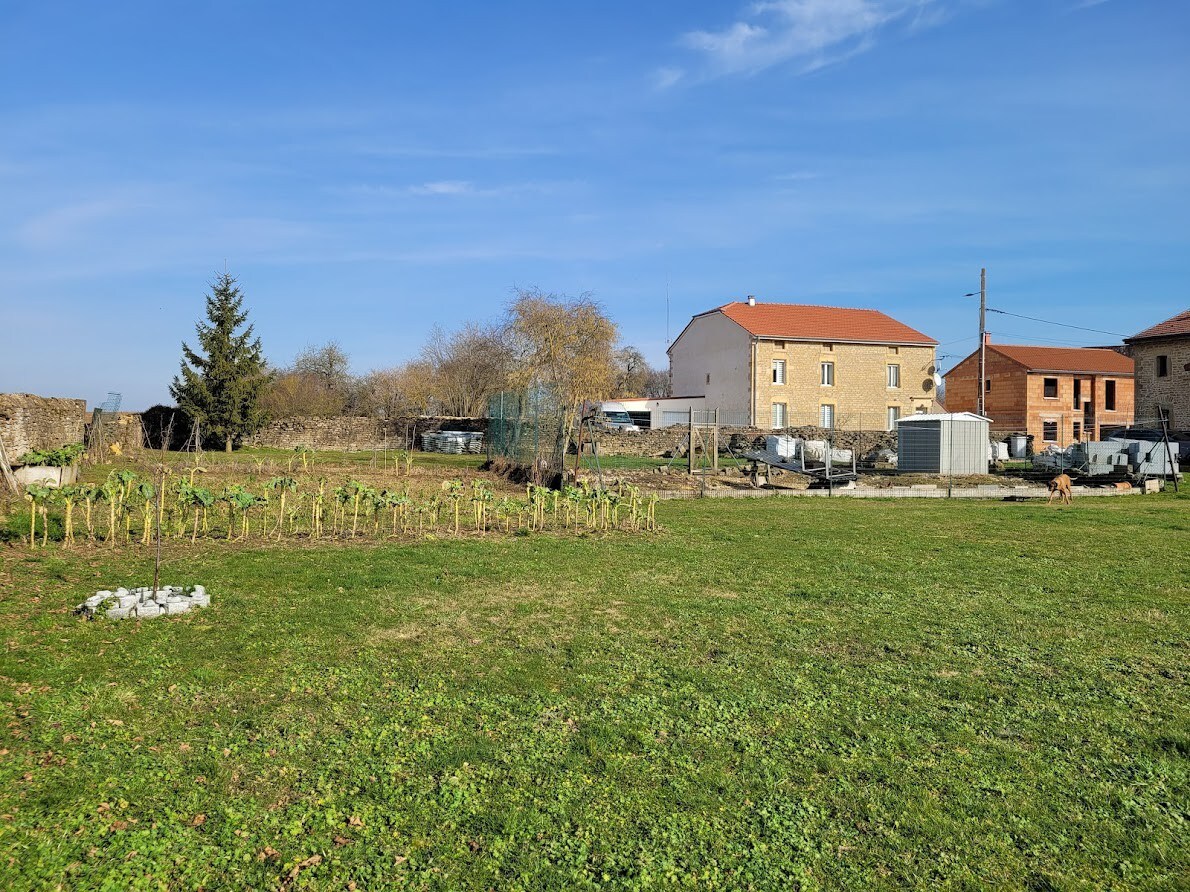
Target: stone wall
(353, 433)
(38, 422)
(1171, 391)
(861, 395)
(674, 440)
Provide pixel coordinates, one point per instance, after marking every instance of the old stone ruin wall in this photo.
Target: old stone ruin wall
(354, 433)
(39, 422)
(666, 441)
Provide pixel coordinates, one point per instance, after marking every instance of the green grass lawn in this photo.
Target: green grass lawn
(768, 694)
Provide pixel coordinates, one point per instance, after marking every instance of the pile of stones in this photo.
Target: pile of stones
(143, 603)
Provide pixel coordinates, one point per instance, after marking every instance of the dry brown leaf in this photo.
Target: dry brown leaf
(312, 861)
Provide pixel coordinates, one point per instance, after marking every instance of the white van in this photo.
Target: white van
(615, 417)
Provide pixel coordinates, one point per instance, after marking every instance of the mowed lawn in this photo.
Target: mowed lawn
(768, 694)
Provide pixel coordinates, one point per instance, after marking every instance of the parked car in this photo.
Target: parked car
(615, 417)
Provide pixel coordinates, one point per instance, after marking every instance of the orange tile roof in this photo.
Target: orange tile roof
(1096, 360)
(1171, 327)
(815, 323)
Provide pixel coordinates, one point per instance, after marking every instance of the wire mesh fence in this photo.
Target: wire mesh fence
(528, 430)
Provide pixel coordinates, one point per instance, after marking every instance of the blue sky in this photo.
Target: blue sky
(370, 169)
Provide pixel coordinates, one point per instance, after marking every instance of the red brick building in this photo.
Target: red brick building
(1060, 395)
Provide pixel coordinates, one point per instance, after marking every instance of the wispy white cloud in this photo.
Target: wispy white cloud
(666, 77)
(810, 33)
(445, 187)
(452, 189)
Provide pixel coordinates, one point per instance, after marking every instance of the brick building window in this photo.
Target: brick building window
(1078, 430)
(894, 376)
(1162, 366)
(1050, 388)
(894, 412)
(826, 416)
(1078, 393)
(778, 371)
(780, 416)
(1109, 395)
(1049, 431)
(987, 385)
(828, 374)
(779, 345)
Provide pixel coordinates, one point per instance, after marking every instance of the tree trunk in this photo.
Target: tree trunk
(227, 445)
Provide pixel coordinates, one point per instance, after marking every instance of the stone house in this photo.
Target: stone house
(1162, 357)
(1060, 395)
(774, 366)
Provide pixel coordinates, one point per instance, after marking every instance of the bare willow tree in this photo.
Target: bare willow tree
(566, 344)
(469, 366)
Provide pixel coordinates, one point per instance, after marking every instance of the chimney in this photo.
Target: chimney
(987, 338)
(751, 300)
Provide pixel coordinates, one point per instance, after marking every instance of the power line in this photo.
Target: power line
(1022, 337)
(1115, 334)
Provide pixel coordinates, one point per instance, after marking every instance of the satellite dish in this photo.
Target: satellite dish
(937, 380)
(927, 385)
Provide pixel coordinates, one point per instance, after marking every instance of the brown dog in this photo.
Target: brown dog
(1060, 486)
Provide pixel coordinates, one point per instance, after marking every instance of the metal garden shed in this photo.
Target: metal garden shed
(944, 443)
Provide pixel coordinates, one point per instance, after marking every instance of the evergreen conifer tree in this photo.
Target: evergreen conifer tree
(221, 382)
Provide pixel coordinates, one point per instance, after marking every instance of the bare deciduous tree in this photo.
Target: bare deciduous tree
(636, 378)
(468, 365)
(402, 390)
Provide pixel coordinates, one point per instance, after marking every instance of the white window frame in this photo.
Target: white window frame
(894, 375)
(1057, 429)
(778, 371)
(826, 416)
(894, 414)
(827, 371)
(783, 421)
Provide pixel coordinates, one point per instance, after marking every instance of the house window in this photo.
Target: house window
(894, 376)
(826, 416)
(779, 345)
(1050, 388)
(1109, 395)
(828, 374)
(894, 350)
(778, 371)
(780, 416)
(1162, 366)
(1049, 431)
(828, 347)
(987, 385)
(894, 412)
(1078, 431)
(1078, 393)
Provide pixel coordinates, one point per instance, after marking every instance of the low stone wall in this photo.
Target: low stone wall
(674, 440)
(353, 433)
(39, 422)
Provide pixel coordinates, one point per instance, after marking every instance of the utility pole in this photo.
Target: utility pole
(983, 327)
